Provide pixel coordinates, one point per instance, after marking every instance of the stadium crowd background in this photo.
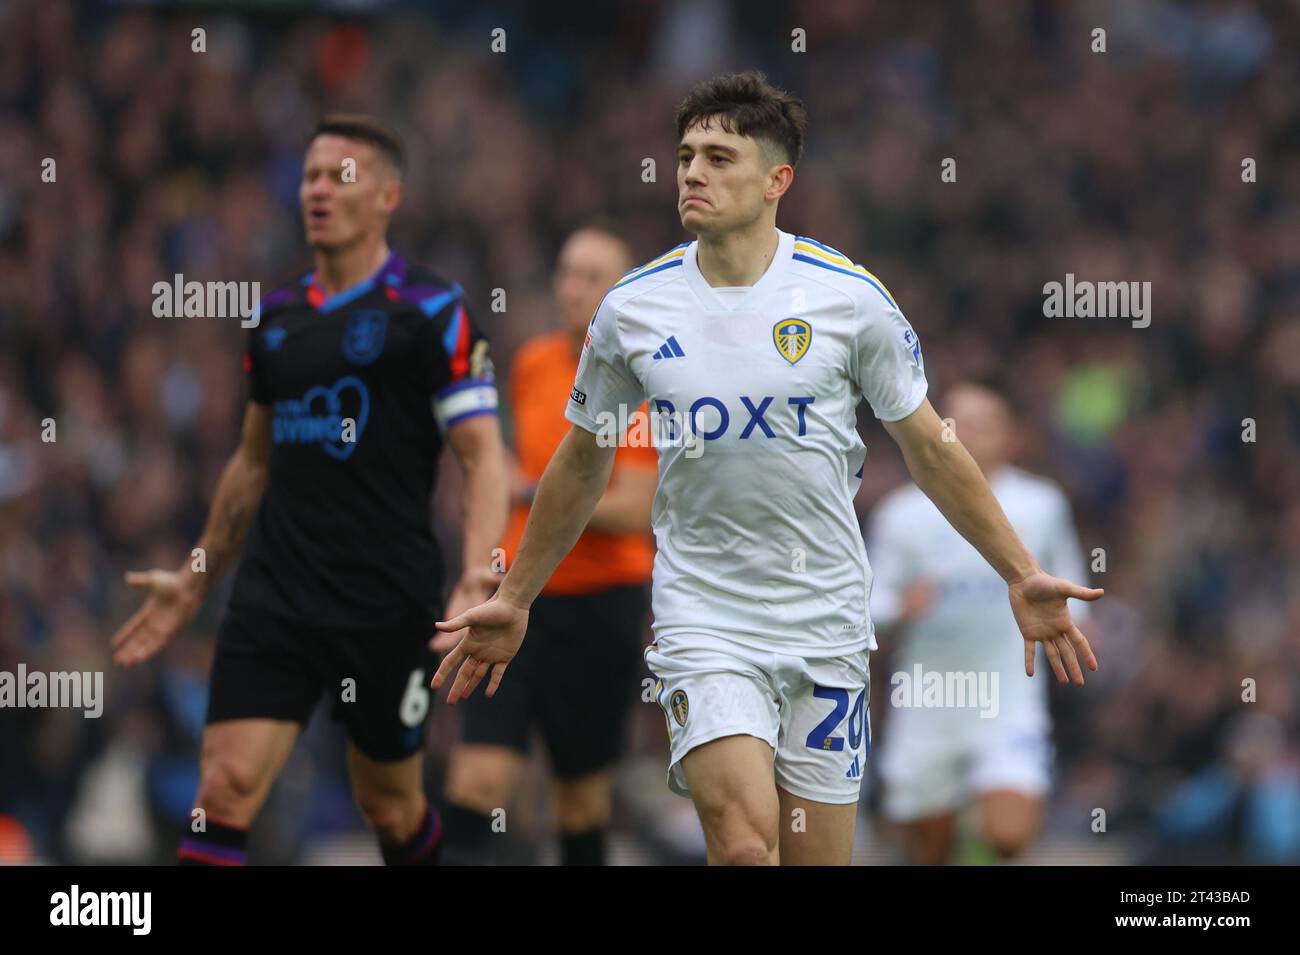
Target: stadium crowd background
(1124, 165)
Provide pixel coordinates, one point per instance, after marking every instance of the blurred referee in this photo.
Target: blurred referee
(576, 676)
(358, 373)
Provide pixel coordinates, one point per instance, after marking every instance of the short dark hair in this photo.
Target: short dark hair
(748, 105)
(365, 129)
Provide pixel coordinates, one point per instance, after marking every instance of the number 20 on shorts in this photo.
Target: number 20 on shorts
(821, 738)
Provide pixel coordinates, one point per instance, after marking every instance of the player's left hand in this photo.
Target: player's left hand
(475, 587)
(1038, 603)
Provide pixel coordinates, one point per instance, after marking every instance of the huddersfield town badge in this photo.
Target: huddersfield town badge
(363, 338)
(792, 336)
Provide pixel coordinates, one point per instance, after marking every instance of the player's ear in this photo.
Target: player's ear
(779, 181)
(390, 195)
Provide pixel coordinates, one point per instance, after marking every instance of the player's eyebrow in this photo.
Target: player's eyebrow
(710, 147)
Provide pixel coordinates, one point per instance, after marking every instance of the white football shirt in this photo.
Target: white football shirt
(970, 627)
(757, 537)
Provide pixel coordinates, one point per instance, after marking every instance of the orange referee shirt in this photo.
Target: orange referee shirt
(540, 381)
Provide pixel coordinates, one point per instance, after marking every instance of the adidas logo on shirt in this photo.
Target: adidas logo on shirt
(670, 349)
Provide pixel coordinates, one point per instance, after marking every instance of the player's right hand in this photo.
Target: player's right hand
(167, 609)
(496, 630)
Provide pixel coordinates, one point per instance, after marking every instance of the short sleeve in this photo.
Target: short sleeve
(604, 383)
(459, 370)
(889, 370)
(259, 389)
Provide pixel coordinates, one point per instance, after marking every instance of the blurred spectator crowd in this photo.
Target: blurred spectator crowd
(1125, 165)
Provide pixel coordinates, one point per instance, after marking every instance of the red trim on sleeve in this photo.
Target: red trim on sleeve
(248, 363)
(460, 357)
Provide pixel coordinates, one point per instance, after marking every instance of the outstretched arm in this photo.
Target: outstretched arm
(239, 492)
(949, 476)
(174, 597)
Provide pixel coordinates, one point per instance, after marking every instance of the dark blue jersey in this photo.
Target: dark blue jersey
(361, 386)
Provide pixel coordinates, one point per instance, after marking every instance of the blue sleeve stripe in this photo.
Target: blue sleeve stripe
(349, 295)
(657, 258)
(820, 245)
(675, 263)
(452, 334)
(435, 304)
(857, 275)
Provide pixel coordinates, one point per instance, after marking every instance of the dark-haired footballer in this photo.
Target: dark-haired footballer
(758, 346)
(358, 374)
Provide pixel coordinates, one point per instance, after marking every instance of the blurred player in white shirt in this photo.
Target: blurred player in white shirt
(946, 606)
(760, 345)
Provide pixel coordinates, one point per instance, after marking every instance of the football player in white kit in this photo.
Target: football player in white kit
(939, 755)
(755, 346)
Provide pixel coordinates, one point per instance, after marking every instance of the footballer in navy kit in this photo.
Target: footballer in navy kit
(358, 373)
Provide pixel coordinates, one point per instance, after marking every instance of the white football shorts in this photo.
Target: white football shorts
(813, 712)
